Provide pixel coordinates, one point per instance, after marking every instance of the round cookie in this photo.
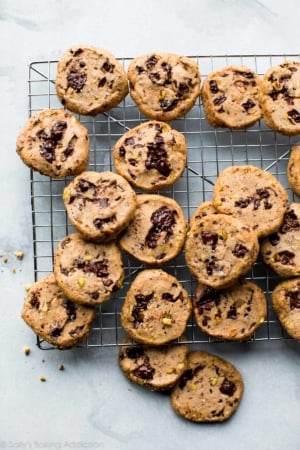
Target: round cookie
(164, 86)
(157, 232)
(286, 303)
(151, 156)
(220, 249)
(90, 80)
(281, 250)
(54, 317)
(156, 308)
(99, 205)
(87, 272)
(252, 195)
(230, 97)
(231, 314)
(209, 390)
(54, 143)
(293, 170)
(203, 210)
(157, 368)
(280, 98)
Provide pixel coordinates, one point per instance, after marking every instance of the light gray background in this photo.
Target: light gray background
(90, 404)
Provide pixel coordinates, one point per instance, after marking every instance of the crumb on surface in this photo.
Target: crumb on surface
(61, 367)
(26, 351)
(19, 255)
(42, 378)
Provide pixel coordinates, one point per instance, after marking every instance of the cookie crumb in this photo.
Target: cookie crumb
(26, 351)
(27, 287)
(61, 367)
(5, 260)
(42, 378)
(19, 255)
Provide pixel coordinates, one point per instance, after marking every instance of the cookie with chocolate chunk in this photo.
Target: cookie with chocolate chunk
(99, 205)
(220, 249)
(251, 195)
(164, 86)
(293, 170)
(230, 97)
(88, 272)
(156, 308)
(209, 390)
(54, 143)
(280, 98)
(54, 317)
(157, 231)
(286, 303)
(157, 368)
(90, 80)
(151, 156)
(281, 250)
(231, 314)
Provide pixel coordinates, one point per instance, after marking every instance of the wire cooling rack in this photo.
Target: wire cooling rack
(210, 151)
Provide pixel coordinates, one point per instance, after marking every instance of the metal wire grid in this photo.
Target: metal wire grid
(210, 151)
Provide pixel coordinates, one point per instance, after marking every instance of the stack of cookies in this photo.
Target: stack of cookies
(248, 214)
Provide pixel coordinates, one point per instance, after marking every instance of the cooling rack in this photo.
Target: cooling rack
(210, 151)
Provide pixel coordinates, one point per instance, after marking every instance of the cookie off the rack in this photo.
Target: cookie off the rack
(210, 389)
(164, 86)
(54, 317)
(90, 80)
(99, 204)
(54, 143)
(151, 156)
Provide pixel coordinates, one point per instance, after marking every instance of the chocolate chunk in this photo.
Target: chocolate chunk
(274, 239)
(168, 104)
(107, 66)
(141, 305)
(232, 313)
(77, 52)
(71, 309)
(102, 81)
(58, 129)
(68, 151)
(240, 251)
(122, 152)
(243, 202)
(290, 223)
(47, 150)
(213, 86)
(210, 238)
(228, 387)
(145, 371)
(208, 300)
(210, 264)
(84, 185)
(294, 299)
(163, 219)
(151, 62)
(134, 352)
(34, 300)
(76, 80)
(285, 257)
(170, 298)
(157, 157)
(99, 223)
(56, 332)
(294, 116)
(185, 377)
(129, 141)
(248, 105)
(219, 100)
(76, 330)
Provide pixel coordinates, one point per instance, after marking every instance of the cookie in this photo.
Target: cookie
(157, 231)
(220, 249)
(151, 156)
(87, 272)
(54, 143)
(90, 80)
(156, 308)
(209, 390)
(54, 317)
(280, 98)
(230, 97)
(281, 250)
(252, 195)
(157, 368)
(164, 86)
(99, 205)
(293, 170)
(203, 210)
(286, 303)
(231, 314)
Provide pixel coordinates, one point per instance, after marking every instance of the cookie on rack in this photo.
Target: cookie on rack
(54, 143)
(286, 303)
(157, 368)
(230, 97)
(54, 317)
(157, 231)
(88, 272)
(252, 195)
(99, 204)
(164, 86)
(203, 210)
(280, 98)
(209, 390)
(231, 314)
(156, 308)
(293, 170)
(90, 80)
(281, 250)
(220, 249)
(151, 156)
